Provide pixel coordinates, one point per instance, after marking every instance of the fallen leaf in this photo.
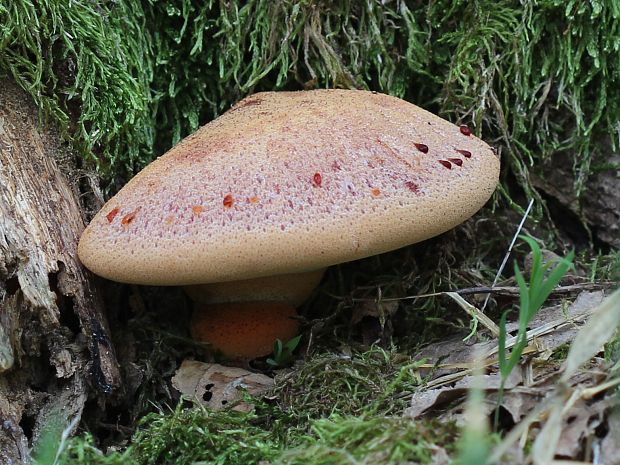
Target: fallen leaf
(596, 332)
(423, 400)
(599, 328)
(580, 423)
(217, 386)
(610, 445)
(517, 403)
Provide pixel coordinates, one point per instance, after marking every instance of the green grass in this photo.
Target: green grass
(544, 277)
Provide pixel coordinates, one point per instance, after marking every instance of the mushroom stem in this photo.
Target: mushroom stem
(245, 330)
(292, 289)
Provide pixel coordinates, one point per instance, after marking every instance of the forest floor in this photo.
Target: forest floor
(399, 363)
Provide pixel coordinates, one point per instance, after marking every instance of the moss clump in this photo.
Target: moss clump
(373, 382)
(375, 440)
(191, 436)
(82, 451)
(128, 78)
(331, 403)
(88, 66)
(183, 437)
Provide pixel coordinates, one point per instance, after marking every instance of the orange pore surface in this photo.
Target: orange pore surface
(244, 330)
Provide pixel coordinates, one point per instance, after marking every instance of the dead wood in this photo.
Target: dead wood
(54, 345)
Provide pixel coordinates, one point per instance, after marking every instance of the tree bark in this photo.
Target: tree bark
(54, 344)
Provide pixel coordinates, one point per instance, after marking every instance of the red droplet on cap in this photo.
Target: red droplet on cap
(317, 180)
(446, 164)
(110, 216)
(412, 186)
(422, 147)
(456, 161)
(128, 218)
(465, 153)
(465, 130)
(228, 201)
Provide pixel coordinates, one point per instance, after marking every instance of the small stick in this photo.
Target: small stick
(511, 291)
(508, 252)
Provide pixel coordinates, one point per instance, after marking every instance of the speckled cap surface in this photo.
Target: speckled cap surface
(288, 182)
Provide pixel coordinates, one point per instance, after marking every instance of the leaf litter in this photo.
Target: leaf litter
(217, 386)
(563, 409)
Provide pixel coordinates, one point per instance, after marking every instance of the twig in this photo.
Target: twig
(508, 252)
(509, 291)
(475, 313)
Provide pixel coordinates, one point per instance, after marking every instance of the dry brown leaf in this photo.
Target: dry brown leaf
(582, 304)
(580, 422)
(570, 415)
(596, 332)
(599, 328)
(423, 400)
(217, 386)
(452, 351)
(518, 403)
(552, 327)
(610, 445)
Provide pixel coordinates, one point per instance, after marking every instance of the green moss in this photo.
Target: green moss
(375, 440)
(183, 437)
(195, 436)
(88, 66)
(81, 450)
(126, 79)
(192, 435)
(330, 403)
(560, 353)
(374, 382)
(604, 267)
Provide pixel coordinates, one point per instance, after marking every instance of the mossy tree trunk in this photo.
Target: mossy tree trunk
(54, 345)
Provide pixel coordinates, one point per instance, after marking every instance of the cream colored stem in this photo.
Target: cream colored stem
(293, 289)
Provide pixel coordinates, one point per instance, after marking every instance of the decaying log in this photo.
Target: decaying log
(54, 345)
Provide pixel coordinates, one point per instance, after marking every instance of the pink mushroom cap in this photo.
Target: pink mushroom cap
(290, 182)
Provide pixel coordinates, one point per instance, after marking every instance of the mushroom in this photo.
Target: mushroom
(257, 203)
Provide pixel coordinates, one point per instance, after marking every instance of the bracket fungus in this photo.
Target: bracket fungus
(257, 203)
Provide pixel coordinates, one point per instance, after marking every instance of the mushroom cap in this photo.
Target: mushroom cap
(245, 330)
(290, 182)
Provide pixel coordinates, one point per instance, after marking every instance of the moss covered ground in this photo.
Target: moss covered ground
(333, 409)
(126, 79)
